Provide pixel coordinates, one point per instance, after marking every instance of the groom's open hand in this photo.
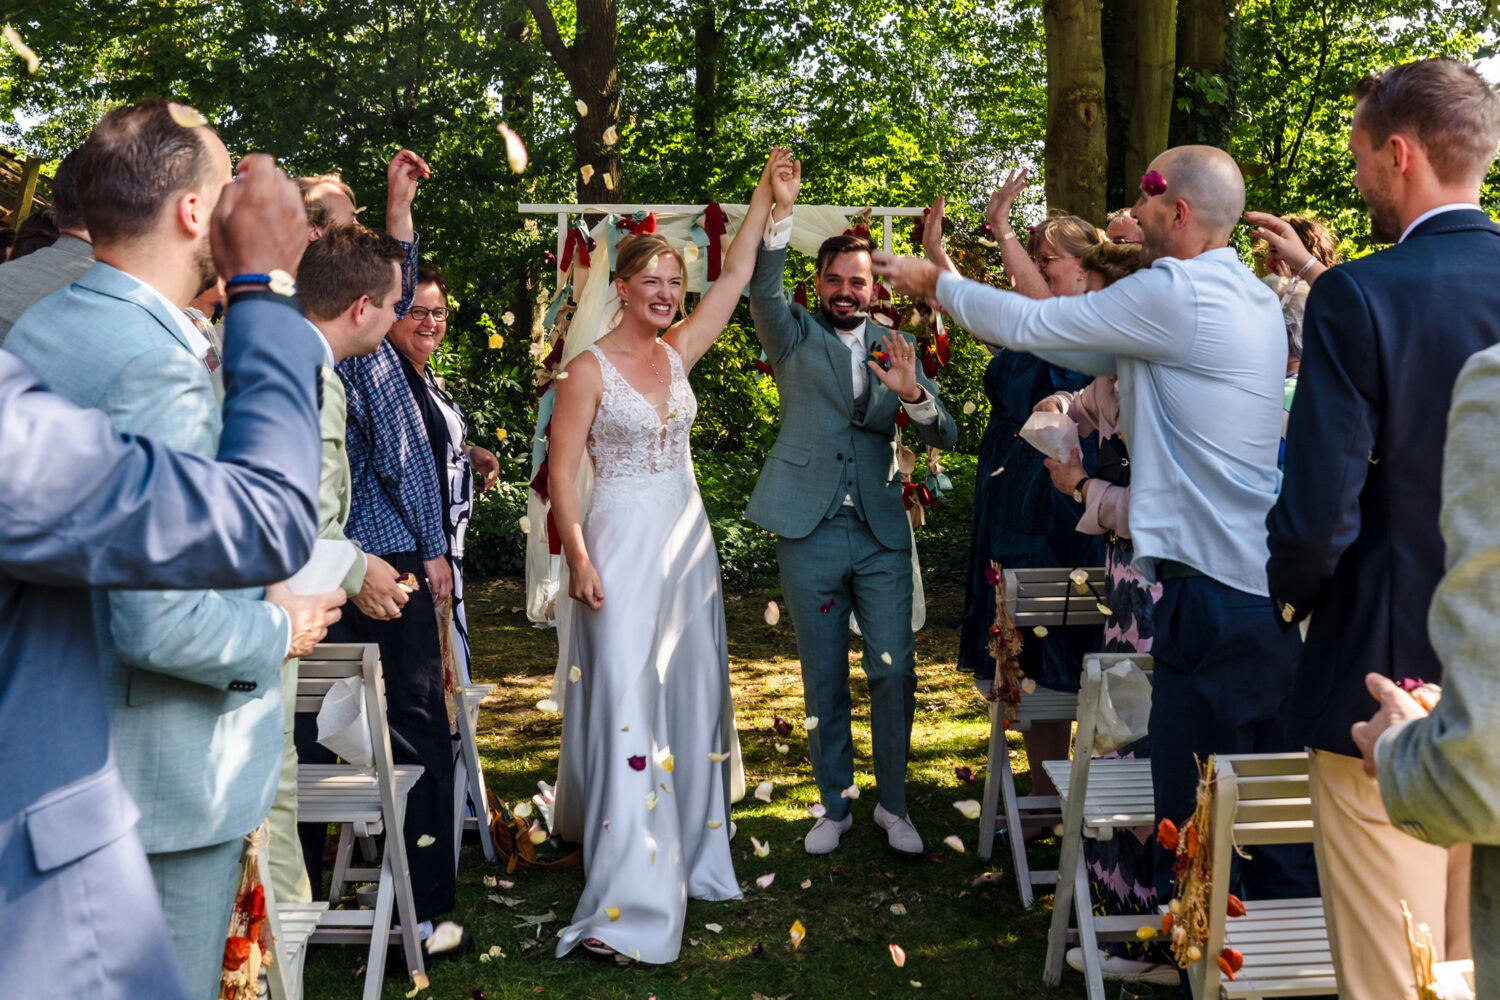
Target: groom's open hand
(901, 378)
(786, 181)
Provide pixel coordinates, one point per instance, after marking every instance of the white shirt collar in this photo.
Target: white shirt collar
(1454, 207)
(327, 347)
(196, 342)
(858, 333)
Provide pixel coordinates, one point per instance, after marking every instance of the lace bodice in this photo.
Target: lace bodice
(635, 449)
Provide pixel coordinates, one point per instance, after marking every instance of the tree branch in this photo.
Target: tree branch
(546, 26)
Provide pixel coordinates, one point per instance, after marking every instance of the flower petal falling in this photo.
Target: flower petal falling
(426, 840)
(852, 792)
(797, 934)
(33, 63)
(970, 407)
(953, 841)
(637, 763)
(522, 809)
(782, 747)
(773, 613)
(765, 880)
(818, 810)
(611, 136)
(582, 106)
(547, 705)
(763, 790)
(717, 758)
(651, 800)
(885, 658)
(587, 172)
(810, 723)
(761, 849)
(574, 675)
(612, 912)
(515, 149)
(898, 955)
(968, 807)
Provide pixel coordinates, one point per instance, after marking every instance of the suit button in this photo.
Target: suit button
(838, 458)
(242, 685)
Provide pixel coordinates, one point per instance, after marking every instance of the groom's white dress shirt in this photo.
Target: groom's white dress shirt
(1200, 350)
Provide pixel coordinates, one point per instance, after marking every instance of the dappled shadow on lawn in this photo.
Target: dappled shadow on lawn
(957, 919)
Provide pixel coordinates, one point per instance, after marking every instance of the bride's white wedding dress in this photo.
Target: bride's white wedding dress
(649, 750)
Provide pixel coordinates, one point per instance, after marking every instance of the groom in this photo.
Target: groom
(831, 493)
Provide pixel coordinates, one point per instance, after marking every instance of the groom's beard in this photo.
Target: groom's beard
(848, 321)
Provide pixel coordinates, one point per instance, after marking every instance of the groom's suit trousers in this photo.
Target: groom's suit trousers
(837, 569)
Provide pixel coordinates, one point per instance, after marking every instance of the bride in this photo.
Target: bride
(648, 729)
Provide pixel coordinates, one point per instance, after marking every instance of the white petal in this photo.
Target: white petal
(651, 800)
(811, 722)
(717, 929)
(524, 524)
(547, 705)
(898, 956)
(522, 809)
(611, 136)
(583, 108)
(782, 748)
(1028, 686)
(763, 790)
(773, 613)
(807, 883)
(818, 810)
(970, 407)
(508, 318)
(717, 758)
(765, 880)
(574, 674)
(761, 849)
(444, 936)
(885, 658)
(689, 252)
(714, 824)
(953, 841)
(515, 149)
(899, 909)
(969, 808)
(852, 792)
(426, 840)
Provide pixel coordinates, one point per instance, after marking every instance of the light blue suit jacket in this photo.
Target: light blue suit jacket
(1440, 776)
(192, 677)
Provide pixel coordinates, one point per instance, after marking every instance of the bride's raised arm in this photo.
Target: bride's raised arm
(692, 336)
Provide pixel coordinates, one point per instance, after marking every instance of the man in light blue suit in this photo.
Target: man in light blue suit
(81, 505)
(193, 677)
(831, 492)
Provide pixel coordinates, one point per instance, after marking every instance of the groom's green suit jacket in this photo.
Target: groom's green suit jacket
(823, 425)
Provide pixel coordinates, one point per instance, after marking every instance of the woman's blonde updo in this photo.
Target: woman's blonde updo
(1066, 234)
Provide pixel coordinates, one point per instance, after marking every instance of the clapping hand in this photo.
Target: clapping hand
(997, 213)
(909, 276)
(932, 235)
(901, 377)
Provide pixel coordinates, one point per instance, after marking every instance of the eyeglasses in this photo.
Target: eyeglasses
(419, 314)
(1042, 260)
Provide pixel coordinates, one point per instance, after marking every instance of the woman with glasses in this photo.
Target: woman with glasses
(1019, 520)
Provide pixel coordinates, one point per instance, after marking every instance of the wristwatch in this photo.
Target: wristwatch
(1078, 489)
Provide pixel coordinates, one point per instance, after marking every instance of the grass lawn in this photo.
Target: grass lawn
(963, 929)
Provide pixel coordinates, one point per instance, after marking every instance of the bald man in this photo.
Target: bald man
(1200, 349)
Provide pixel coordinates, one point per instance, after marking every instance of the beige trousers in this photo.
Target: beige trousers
(1367, 867)
(288, 874)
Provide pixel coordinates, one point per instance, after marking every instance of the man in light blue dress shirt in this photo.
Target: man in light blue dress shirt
(1200, 350)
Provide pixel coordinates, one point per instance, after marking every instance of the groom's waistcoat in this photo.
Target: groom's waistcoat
(831, 444)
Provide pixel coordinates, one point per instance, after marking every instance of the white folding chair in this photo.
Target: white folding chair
(1098, 798)
(1034, 597)
(1262, 799)
(291, 925)
(468, 774)
(363, 805)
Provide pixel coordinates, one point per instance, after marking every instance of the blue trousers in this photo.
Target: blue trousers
(1223, 675)
(841, 567)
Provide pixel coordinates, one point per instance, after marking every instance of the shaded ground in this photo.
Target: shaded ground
(964, 935)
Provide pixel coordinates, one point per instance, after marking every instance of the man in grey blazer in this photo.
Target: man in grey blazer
(1439, 774)
(831, 492)
(193, 677)
(82, 505)
(25, 282)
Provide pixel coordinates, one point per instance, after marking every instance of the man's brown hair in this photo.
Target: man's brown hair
(317, 212)
(134, 162)
(348, 262)
(836, 246)
(1445, 105)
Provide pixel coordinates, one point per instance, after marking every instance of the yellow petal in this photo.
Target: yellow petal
(916, 984)
(560, 376)
(426, 840)
(1028, 686)
(612, 912)
(797, 933)
(537, 834)
(32, 63)
(668, 763)
(609, 182)
(181, 114)
(968, 807)
(515, 149)
(1103, 609)
(653, 263)
(574, 674)
(717, 758)
(689, 252)
(1080, 578)
(1040, 631)
(587, 170)
(954, 842)
(1145, 933)
(583, 109)
(899, 909)
(496, 342)
(611, 136)
(898, 956)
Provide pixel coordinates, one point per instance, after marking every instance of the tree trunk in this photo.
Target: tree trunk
(1075, 151)
(1151, 95)
(706, 38)
(1118, 33)
(1208, 73)
(591, 67)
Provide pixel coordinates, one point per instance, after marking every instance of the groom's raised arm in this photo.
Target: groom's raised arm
(776, 325)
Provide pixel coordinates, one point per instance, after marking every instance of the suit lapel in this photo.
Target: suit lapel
(838, 357)
(107, 280)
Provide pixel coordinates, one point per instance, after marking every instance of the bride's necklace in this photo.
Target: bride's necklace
(650, 360)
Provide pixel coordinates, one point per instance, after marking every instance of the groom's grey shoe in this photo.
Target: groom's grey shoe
(823, 838)
(899, 832)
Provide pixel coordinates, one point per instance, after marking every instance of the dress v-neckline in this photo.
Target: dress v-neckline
(656, 408)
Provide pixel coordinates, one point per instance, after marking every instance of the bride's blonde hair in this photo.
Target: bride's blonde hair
(635, 252)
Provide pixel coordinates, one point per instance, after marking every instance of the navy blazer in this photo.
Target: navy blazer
(1354, 535)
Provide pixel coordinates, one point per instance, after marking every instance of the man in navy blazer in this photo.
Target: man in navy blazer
(82, 505)
(1354, 538)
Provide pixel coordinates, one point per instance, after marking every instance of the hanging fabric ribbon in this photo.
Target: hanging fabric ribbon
(799, 294)
(578, 243)
(715, 224)
(641, 223)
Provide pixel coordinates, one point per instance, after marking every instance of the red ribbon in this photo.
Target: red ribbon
(638, 226)
(799, 294)
(917, 493)
(575, 242)
(715, 224)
